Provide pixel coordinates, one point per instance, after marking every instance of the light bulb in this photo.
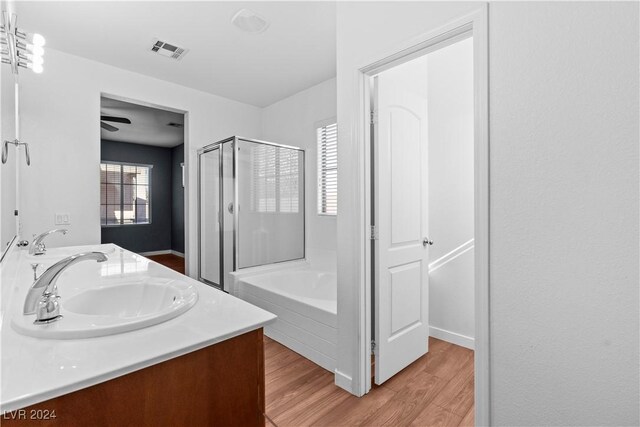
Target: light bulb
(37, 68)
(36, 50)
(38, 40)
(36, 59)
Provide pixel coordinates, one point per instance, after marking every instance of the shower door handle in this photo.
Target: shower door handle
(230, 207)
(426, 241)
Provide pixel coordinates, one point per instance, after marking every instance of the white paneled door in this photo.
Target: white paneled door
(402, 246)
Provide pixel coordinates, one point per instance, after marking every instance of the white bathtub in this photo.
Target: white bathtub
(304, 299)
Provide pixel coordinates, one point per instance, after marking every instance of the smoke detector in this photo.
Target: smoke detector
(249, 21)
(168, 50)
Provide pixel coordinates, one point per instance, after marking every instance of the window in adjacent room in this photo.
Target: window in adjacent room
(327, 137)
(125, 193)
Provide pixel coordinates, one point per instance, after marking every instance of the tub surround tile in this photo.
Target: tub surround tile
(304, 299)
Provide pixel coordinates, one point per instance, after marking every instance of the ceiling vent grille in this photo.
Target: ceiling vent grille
(168, 50)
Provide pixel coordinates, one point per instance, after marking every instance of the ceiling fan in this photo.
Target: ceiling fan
(110, 128)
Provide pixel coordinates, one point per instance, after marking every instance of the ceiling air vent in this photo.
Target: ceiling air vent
(167, 49)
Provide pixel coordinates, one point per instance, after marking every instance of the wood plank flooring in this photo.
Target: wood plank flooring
(436, 390)
(174, 262)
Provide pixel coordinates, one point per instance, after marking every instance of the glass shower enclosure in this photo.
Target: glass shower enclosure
(250, 207)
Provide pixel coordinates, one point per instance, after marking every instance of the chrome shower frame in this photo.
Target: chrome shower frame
(218, 145)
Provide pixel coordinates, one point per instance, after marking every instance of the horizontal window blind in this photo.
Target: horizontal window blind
(328, 169)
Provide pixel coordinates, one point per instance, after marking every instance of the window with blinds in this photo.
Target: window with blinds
(125, 194)
(328, 169)
(275, 179)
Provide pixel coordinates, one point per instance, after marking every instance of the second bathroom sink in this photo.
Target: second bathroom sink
(56, 254)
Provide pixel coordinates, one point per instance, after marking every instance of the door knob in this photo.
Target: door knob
(426, 241)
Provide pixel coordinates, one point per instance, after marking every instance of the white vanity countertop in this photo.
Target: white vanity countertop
(34, 370)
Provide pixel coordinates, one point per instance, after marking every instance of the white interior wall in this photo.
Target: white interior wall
(563, 201)
(449, 77)
(292, 121)
(564, 213)
(59, 119)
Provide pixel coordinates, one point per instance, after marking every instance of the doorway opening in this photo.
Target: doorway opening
(426, 189)
(422, 206)
(142, 181)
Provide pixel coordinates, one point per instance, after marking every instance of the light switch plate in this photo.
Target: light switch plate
(63, 219)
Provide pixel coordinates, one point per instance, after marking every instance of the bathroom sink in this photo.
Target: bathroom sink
(113, 309)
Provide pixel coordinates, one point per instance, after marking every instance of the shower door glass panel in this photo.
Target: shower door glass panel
(270, 183)
(210, 236)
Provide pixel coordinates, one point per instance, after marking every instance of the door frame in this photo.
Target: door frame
(476, 25)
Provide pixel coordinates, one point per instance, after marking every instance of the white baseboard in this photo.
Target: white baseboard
(163, 252)
(343, 381)
(152, 253)
(452, 337)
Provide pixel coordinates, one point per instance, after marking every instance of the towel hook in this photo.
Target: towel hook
(17, 143)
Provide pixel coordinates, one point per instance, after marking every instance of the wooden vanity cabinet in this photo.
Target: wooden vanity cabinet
(220, 385)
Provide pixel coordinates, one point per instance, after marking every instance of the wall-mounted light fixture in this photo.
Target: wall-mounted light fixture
(20, 48)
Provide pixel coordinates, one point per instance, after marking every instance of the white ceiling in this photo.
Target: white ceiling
(148, 125)
(297, 51)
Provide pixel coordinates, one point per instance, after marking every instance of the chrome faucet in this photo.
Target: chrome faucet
(37, 246)
(42, 298)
